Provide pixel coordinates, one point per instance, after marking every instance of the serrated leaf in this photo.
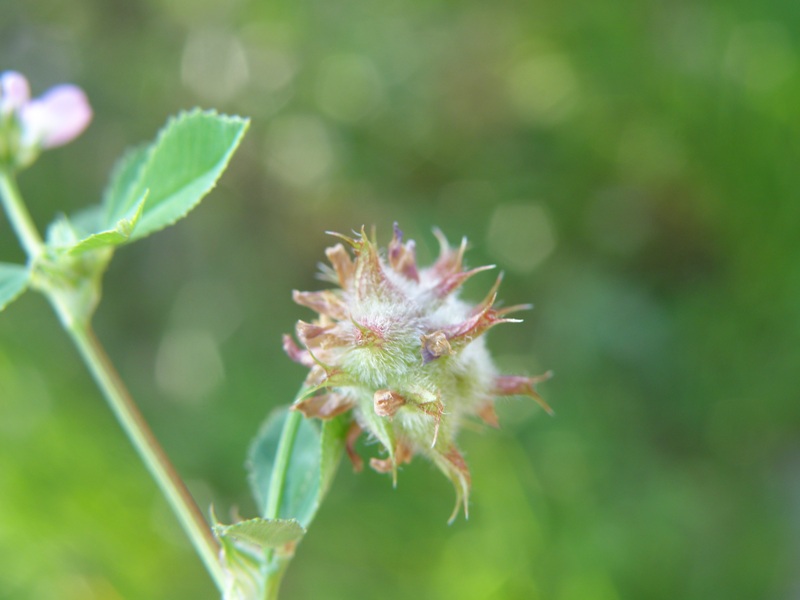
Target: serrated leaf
(253, 549)
(180, 167)
(13, 281)
(114, 236)
(245, 569)
(84, 231)
(264, 533)
(118, 198)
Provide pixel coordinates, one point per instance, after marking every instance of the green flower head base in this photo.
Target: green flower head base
(395, 345)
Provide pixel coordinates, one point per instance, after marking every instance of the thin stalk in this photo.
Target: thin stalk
(150, 451)
(274, 579)
(19, 216)
(277, 484)
(117, 396)
(282, 456)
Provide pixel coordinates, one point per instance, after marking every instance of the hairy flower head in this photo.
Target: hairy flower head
(395, 345)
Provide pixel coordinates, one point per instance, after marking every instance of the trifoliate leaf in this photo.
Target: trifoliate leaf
(179, 168)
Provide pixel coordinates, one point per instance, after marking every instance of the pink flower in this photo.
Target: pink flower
(14, 92)
(29, 125)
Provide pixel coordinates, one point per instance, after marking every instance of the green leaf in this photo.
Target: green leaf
(179, 168)
(155, 184)
(245, 567)
(118, 198)
(252, 550)
(118, 234)
(303, 476)
(73, 235)
(13, 281)
(264, 533)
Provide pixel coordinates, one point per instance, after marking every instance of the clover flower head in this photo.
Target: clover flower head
(397, 348)
(28, 125)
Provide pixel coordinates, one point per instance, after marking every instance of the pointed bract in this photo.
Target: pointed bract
(324, 406)
(518, 385)
(402, 257)
(342, 265)
(396, 347)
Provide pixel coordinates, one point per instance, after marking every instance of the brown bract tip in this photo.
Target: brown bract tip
(520, 385)
(386, 403)
(435, 346)
(402, 257)
(342, 265)
(324, 406)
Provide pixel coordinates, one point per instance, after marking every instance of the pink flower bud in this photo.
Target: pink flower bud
(14, 92)
(28, 126)
(56, 118)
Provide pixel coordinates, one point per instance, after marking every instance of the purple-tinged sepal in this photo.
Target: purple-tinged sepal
(402, 257)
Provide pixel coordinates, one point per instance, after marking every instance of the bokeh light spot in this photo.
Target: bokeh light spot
(543, 89)
(649, 151)
(520, 236)
(760, 56)
(214, 65)
(349, 87)
(619, 220)
(188, 365)
(299, 150)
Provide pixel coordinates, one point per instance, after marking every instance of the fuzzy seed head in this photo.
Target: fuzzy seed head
(395, 346)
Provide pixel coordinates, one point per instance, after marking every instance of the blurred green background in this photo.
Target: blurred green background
(631, 166)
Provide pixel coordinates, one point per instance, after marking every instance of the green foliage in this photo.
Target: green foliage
(151, 187)
(252, 550)
(155, 185)
(292, 462)
(88, 232)
(315, 452)
(13, 281)
(180, 167)
(264, 533)
(301, 490)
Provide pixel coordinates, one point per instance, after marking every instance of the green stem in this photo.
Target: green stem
(150, 451)
(117, 396)
(277, 484)
(19, 216)
(282, 456)
(273, 583)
